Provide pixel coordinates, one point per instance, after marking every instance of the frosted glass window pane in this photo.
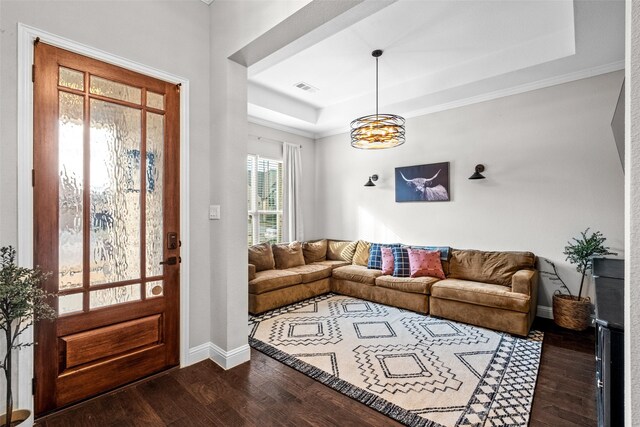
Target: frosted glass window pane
(155, 177)
(115, 192)
(155, 100)
(155, 289)
(69, 303)
(113, 296)
(70, 171)
(71, 78)
(111, 89)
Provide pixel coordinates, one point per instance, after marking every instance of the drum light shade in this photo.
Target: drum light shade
(377, 131)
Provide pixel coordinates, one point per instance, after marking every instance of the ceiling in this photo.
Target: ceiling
(437, 55)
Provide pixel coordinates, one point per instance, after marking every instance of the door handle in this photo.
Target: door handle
(170, 261)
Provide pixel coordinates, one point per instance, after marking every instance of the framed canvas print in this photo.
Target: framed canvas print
(423, 183)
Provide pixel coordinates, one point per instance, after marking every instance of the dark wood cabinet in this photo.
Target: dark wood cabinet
(608, 275)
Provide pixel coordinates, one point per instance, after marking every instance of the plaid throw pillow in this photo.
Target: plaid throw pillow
(375, 255)
(401, 266)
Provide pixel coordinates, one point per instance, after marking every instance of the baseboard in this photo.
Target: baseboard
(198, 353)
(545, 312)
(226, 359)
(231, 358)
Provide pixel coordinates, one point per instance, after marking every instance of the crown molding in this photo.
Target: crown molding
(515, 90)
(284, 128)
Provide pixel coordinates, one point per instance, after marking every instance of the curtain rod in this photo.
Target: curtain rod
(262, 138)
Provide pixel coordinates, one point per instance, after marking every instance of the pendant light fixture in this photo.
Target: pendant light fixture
(377, 131)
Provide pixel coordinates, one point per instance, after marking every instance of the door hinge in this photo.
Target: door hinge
(33, 73)
(33, 386)
(33, 177)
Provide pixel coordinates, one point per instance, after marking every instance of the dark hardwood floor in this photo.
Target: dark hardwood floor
(265, 392)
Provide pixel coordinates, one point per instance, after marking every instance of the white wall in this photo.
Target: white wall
(632, 217)
(551, 165)
(271, 149)
(233, 25)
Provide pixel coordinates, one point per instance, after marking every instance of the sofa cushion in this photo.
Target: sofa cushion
(375, 254)
(418, 285)
(425, 263)
(357, 273)
(251, 272)
(488, 267)
(314, 251)
(262, 257)
(401, 266)
(486, 294)
(332, 263)
(288, 255)
(341, 251)
(269, 280)
(311, 273)
(387, 260)
(361, 257)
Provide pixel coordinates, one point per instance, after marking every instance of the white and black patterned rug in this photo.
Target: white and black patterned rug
(416, 369)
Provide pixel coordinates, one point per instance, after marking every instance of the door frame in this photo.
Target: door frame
(25, 246)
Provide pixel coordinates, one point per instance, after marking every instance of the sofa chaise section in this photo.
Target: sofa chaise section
(497, 290)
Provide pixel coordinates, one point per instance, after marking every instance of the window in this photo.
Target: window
(264, 200)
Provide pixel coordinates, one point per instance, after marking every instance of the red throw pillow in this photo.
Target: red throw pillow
(425, 263)
(387, 261)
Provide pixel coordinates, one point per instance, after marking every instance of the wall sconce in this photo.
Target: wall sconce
(372, 178)
(477, 174)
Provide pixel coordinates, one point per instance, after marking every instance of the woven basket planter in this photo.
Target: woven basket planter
(18, 417)
(572, 312)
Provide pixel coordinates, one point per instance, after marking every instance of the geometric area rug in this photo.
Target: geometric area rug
(417, 369)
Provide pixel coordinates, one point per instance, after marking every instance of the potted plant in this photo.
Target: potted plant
(574, 311)
(22, 301)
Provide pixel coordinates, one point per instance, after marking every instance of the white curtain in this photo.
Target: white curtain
(292, 228)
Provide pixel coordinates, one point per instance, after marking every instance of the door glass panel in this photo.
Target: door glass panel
(113, 296)
(155, 100)
(71, 78)
(115, 192)
(155, 289)
(70, 171)
(111, 89)
(69, 303)
(154, 200)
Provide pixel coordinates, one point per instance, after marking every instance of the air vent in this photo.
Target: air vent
(306, 87)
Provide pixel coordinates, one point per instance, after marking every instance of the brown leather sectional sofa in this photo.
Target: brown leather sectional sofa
(497, 290)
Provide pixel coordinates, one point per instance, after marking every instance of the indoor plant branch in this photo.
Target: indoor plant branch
(582, 249)
(22, 302)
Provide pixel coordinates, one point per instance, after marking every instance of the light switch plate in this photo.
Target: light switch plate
(214, 212)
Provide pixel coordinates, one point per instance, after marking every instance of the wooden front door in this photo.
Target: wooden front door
(106, 206)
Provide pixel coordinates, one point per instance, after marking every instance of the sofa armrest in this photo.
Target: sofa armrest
(252, 272)
(525, 282)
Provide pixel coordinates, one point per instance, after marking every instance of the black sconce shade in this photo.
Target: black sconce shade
(372, 178)
(477, 174)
